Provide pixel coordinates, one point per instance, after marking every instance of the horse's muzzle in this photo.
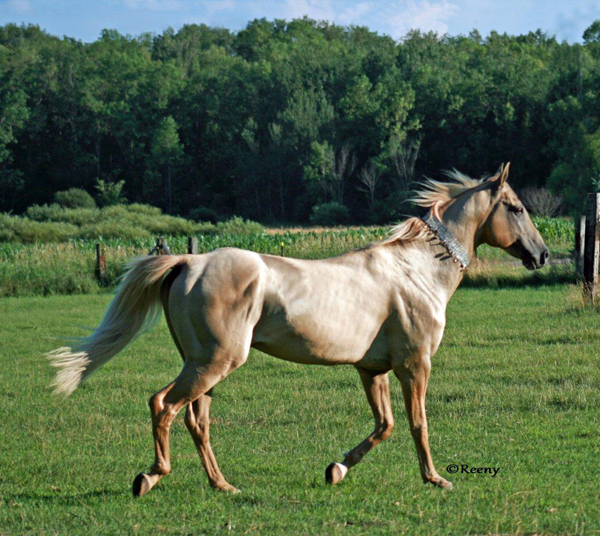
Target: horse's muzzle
(532, 260)
(535, 261)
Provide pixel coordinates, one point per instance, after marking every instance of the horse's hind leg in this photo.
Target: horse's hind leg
(197, 421)
(164, 407)
(199, 375)
(212, 327)
(377, 388)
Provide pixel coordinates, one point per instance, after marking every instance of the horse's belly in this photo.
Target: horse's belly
(294, 352)
(310, 341)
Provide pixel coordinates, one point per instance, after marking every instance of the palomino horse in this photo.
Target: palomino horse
(380, 308)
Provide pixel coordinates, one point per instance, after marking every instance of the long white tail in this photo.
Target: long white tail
(135, 307)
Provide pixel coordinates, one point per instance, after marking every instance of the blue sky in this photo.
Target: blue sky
(84, 19)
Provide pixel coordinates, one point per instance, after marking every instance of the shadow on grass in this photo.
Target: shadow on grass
(57, 497)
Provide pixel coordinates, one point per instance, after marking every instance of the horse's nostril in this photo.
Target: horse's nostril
(544, 256)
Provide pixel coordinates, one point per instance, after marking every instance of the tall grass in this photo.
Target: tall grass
(69, 268)
(51, 249)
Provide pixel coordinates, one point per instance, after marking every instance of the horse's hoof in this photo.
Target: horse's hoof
(444, 484)
(143, 483)
(335, 473)
(440, 482)
(226, 487)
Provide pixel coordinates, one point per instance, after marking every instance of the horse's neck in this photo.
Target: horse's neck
(463, 217)
(463, 220)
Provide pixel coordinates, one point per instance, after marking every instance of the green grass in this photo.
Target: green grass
(515, 385)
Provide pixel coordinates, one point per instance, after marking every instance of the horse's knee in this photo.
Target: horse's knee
(414, 368)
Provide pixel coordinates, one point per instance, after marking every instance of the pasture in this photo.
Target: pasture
(514, 386)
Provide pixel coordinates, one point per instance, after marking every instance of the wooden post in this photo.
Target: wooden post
(161, 247)
(590, 258)
(579, 243)
(100, 262)
(192, 245)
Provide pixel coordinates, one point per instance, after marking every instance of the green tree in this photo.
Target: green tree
(167, 153)
(110, 193)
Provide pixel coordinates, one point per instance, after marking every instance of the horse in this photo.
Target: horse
(381, 308)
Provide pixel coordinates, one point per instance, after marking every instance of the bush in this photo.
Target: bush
(110, 193)
(152, 221)
(384, 213)
(56, 213)
(74, 198)
(53, 223)
(113, 229)
(204, 214)
(239, 226)
(541, 201)
(148, 210)
(17, 229)
(329, 214)
(205, 228)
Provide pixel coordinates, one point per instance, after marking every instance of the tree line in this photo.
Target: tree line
(288, 120)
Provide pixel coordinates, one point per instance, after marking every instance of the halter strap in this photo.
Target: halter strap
(453, 246)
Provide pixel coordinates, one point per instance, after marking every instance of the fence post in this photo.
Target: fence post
(579, 243)
(161, 247)
(590, 258)
(192, 245)
(281, 249)
(100, 262)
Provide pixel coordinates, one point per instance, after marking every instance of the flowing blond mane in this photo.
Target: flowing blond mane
(432, 194)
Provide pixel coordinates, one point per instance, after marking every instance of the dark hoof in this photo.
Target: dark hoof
(335, 473)
(136, 488)
(143, 483)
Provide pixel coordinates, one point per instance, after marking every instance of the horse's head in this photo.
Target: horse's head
(508, 225)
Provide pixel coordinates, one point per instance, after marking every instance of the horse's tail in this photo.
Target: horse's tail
(135, 307)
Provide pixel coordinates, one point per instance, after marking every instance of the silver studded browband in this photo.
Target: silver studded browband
(453, 246)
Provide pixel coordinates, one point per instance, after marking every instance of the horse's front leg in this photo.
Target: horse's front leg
(413, 374)
(377, 389)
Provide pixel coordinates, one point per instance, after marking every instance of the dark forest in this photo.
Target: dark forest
(288, 118)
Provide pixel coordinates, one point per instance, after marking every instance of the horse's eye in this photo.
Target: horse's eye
(516, 210)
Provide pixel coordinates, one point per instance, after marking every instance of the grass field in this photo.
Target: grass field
(515, 385)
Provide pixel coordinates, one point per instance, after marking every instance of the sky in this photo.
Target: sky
(85, 19)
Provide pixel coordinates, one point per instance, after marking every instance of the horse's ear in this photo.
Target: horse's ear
(501, 175)
(504, 174)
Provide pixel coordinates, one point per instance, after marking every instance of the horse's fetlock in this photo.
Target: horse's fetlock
(386, 429)
(161, 468)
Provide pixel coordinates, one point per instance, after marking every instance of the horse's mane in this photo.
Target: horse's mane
(432, 194)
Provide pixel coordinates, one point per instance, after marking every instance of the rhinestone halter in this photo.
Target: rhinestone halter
(453, 246)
